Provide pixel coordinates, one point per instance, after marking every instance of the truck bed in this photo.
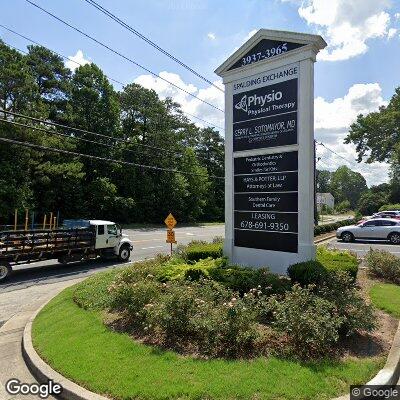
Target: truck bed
(34, 245)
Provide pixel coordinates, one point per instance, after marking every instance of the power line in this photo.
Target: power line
(147, 40)
(117, 139)
(80, 64)
(36, 128)
(53, 51)
(121, 55)
(45, 148)
(332, 151)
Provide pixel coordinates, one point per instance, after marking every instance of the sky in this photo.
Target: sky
(357, 73)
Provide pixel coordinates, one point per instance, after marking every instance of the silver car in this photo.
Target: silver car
(373, 229)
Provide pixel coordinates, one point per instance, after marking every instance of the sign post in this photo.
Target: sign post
(269, 149)
(170, 221)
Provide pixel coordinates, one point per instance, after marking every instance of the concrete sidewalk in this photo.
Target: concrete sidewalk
(12, 364)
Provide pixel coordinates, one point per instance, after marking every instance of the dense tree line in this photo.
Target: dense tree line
(38, 84)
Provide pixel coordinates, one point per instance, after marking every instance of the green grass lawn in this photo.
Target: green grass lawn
(76, 343)
(386, 297)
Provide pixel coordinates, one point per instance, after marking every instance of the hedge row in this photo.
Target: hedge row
(390, 207)
(320, 229)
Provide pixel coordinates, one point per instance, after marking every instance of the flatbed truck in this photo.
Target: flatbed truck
(85, 240)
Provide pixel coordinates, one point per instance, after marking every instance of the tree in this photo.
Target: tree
(211, 151)
(377, 134)
(52, 80)
(347, 185)
(371, 201)
(17, 87)
(154, 133)
(323, 179)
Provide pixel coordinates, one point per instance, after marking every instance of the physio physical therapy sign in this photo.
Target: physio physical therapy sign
(269, 154)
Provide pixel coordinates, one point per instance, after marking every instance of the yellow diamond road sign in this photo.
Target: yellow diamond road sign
(170, 221)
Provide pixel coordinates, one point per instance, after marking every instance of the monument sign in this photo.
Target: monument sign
(269, 149)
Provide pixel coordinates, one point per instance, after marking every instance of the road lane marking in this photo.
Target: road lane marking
(151, 247)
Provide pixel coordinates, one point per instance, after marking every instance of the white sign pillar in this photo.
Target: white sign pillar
(269, 149)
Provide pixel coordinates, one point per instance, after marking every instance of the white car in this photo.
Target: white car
(372, 229)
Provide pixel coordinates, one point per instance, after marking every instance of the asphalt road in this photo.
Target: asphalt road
(362, 247)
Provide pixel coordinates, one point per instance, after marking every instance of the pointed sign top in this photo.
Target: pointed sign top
(266, 44)
(170, 221)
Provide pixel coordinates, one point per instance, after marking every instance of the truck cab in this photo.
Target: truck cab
(110, 240)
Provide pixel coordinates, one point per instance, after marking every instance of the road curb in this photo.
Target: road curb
(390, 373)
(43, 372)
(324, 239)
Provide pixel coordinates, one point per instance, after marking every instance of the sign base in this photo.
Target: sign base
(277, 261)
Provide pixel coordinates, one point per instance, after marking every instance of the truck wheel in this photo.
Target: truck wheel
(124, 253)
(5, 271)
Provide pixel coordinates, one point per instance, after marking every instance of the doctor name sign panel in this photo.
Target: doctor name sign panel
(269, 149)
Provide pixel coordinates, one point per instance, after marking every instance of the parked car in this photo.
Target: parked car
(372, 229)
(387, 214)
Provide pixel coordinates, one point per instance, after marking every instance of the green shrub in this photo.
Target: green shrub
(196, 251)
(134, 299)
(242, 280)
(176, 269)
(315, 271)
(92, 293)
(343, 206)
(383, 265)
(339, 289)
(203, 317)
(307, 273)
(320, 229)
(390, 207)
(309, 322)
(334, 260)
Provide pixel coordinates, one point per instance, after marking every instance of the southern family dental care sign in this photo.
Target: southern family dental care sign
(269, 149)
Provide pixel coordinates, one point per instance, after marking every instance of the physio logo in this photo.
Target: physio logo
(247, 103)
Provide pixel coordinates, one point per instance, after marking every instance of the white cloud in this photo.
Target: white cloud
(347, 25)
(397, 15)
(332, 122)
(391, 32)
(188, 103)
(250, 34)
(76, 60)
(211, 35)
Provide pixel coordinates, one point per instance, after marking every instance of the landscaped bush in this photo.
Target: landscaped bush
(309, 323)
(197, 250)
(93, 293)
(320, 229)
(315, 272)
(307, 273)
(237, 278)
(383, 265)
(339, 289)
(212, 309)
(177, 269)
(335, 260)
(201, 317)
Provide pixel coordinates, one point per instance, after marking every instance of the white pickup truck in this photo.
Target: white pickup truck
(76, 240)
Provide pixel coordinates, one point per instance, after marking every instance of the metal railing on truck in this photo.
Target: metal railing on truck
(35, 245)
